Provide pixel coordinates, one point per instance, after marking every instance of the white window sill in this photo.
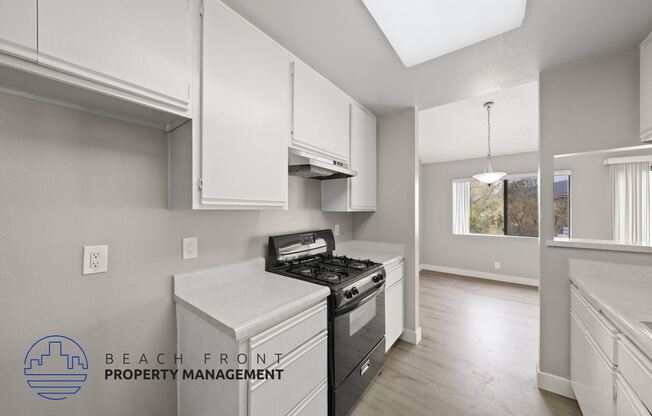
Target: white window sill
(607, 245)
(495, 236)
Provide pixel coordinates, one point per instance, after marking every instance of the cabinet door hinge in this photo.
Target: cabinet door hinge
(201, 183)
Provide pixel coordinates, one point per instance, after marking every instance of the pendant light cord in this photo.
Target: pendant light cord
(488, 130)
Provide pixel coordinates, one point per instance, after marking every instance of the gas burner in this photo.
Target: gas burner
(355, 264)
(306, 271)
(329, 276)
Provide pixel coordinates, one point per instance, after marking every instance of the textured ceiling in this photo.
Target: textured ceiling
(340, 39)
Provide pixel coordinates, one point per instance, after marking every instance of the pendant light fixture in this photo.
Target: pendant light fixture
(489, 176)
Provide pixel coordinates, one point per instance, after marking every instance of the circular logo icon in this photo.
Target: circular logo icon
(55, 367)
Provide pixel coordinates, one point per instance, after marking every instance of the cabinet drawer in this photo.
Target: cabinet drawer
(395, 274)
(287, 336)
(636, 369)
(602, 331)
(628, 404)
(316, 404)
(592, 377)
(303, 370)
(394, 314)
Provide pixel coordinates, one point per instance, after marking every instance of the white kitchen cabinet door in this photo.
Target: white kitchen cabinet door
(357, 193)
(592, 377)
(363, 159)
(320, 115)
(646, 89)
(137, 46)
(394, 315)
(246, 112)
(18, 28)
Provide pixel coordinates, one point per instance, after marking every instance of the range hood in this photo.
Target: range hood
(307, 165)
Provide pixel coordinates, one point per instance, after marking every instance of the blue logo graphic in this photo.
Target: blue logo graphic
(55, 367)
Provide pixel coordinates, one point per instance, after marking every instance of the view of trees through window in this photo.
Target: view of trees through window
(508, 207)
(562, 205)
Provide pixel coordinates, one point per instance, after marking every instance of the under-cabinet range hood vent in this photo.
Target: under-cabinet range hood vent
(307, 165)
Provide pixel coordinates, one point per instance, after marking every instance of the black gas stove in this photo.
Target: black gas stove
(356, 309)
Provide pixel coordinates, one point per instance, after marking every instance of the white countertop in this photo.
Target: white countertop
(243, 299)
(386, 253)
(622, 292)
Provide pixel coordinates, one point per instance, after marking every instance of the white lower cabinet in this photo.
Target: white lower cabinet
(610, 376)
(628, 403)
(394, 308)
(301, 390)
(592, 376)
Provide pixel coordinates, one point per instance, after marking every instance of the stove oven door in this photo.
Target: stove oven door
(357, 329)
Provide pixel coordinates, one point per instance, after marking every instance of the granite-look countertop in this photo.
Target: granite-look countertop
(386, 253)
(622, 292)
(243, 299)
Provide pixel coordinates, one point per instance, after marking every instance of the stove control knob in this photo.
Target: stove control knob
(354, 291)
(348, 294)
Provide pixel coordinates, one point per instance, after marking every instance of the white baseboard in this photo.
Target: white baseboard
(555, 384)
(413, 337)
(482, 275)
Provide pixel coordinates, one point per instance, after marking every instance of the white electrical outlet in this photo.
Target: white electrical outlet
(336, 230)
(497, 265)
(189, 248)
(96, 259)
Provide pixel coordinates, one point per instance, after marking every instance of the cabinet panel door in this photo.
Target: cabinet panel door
(246, 112)
(394, 316)
(138, 46)
(18, 28)
(592, 377)
(646, 89)
(363, 159)
(320, 114)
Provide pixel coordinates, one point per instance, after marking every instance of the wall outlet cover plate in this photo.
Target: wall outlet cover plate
(95, 260)
(189, 248)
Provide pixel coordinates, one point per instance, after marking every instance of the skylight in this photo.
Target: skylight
(420, 30)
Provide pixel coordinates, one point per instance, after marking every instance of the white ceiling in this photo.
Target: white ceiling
(340, 39)
(458, 130)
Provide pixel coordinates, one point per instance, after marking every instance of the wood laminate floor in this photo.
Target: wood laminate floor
(477, 355)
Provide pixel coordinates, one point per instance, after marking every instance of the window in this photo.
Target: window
(561, 201)
(508, 207)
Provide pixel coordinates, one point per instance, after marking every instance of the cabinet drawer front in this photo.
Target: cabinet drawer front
(287, 336)
(316, 404)
(395, 274)
(303, 371)
(592, 377)
(602, 331)
(394, 314)
(636, 369)
(628, 404)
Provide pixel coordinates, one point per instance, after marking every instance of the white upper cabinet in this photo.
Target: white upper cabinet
(240, 153)
(320, 115)
(137, 46)
(357, 193)
(646, 89)
(18, 28)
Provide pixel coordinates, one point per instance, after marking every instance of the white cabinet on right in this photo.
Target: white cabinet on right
(18, 28)
(357, 193)
(646, 89)
(394, 312)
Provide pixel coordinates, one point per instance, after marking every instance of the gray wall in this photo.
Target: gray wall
(69, 179)
(590, 192)
(584, 106)
(396, 220)
(519, 256)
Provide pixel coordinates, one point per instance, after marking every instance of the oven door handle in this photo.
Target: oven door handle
(350, 306)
